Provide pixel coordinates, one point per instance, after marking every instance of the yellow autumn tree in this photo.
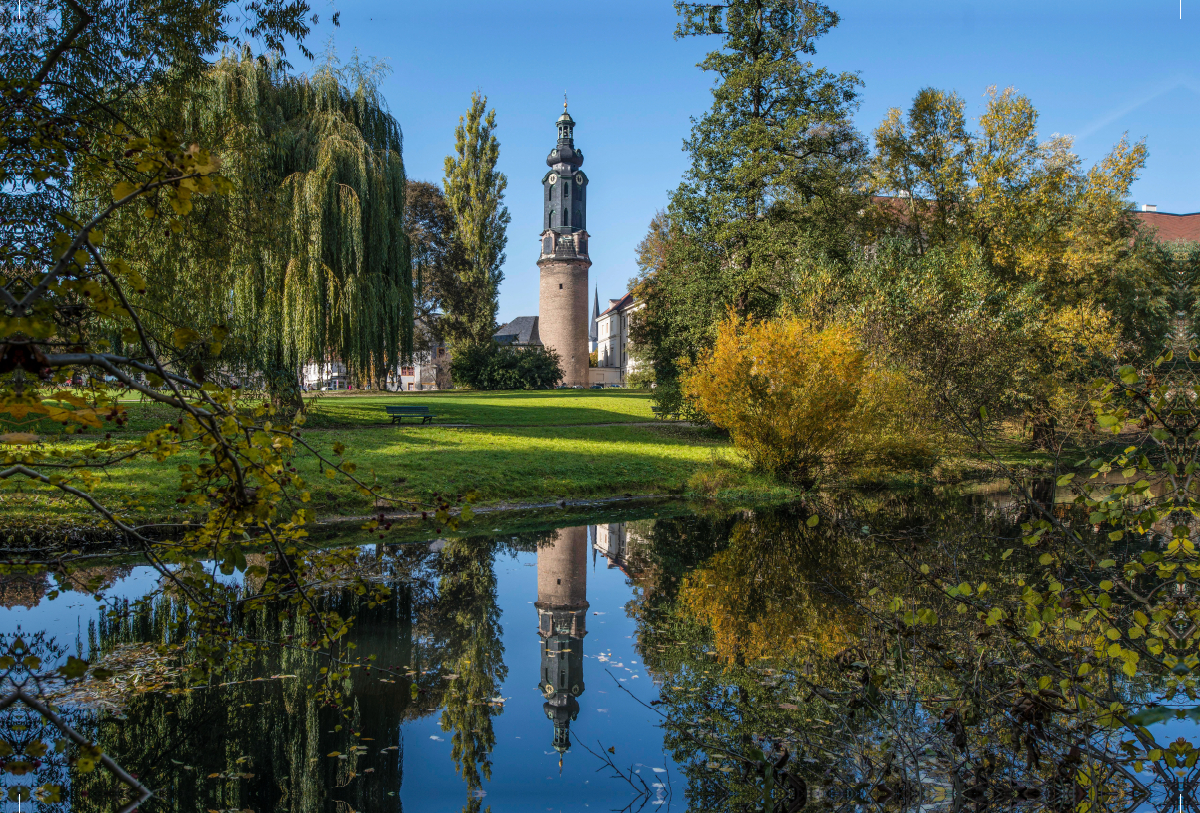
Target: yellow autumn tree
(795, 396)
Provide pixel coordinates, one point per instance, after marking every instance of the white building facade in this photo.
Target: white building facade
(613, 362)
(429, 370)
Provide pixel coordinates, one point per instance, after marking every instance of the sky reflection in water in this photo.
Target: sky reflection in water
(775, 641)
(562, 612)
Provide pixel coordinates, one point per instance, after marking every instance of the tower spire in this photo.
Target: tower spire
(594, 324)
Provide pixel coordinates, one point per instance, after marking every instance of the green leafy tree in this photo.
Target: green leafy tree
(1018, 273)
(771, 163)
(475, 193)
(495, 367)
(437, 254)
(79, 296)
(308, 258)
(923, 158)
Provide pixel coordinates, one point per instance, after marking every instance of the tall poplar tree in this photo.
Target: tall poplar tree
(475, 192)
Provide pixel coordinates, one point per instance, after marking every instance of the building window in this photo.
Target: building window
(566, 190)
(560, 286)
(567, 218)
(406, 371)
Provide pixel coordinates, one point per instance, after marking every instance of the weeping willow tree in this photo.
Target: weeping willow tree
(306, 258)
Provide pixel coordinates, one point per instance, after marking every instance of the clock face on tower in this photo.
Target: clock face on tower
(579, 180)
(553, 179)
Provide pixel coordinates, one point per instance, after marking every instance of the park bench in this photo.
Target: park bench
(399, 413)
(663, 412)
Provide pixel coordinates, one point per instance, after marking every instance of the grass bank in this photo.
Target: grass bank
(518, 447)
(518, 408)
(511, 448)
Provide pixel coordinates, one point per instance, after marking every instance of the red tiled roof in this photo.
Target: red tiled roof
(624, 302)
(1173, 228)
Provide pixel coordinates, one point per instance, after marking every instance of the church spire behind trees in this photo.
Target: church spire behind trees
(593, 325)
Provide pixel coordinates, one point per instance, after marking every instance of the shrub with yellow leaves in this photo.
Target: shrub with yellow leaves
(796, 397)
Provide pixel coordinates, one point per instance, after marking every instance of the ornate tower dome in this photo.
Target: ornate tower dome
(564, 153)
(565, 186)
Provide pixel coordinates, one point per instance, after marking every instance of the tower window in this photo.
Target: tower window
(566, 190)
(560, 288)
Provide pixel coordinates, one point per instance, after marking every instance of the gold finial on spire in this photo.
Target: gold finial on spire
(564, 100)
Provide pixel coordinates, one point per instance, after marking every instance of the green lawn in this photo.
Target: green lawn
(349, 409)
(500, 465)
(521, 464)
(520, 447)
(510, 408)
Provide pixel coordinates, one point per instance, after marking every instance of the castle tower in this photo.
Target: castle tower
(564, 256)
(562, 617)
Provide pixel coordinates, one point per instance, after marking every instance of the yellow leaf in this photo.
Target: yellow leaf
(184, 336)
(123, 190)
(19, 411)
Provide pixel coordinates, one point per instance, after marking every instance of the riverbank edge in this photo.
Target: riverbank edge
(56, 539)
(50, 542)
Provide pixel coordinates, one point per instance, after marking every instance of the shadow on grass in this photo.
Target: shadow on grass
(515, 408)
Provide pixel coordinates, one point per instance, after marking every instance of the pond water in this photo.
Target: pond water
(776, 659)
(522, 665)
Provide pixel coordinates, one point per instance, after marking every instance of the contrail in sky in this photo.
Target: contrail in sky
(1120, 112)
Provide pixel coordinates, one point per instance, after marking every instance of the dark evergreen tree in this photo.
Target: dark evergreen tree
(774, 167)
(494, 367)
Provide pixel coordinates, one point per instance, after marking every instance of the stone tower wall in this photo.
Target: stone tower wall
(562, 569)
(563, 317)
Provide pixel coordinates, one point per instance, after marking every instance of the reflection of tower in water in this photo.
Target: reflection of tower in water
(562, 616)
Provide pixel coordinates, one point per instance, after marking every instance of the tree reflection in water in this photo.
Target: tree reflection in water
(259, 740)
(467, 622)
(908, 653)
(897, 651)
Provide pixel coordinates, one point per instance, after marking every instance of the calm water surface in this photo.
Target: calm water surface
(540, 628)
(726, 660)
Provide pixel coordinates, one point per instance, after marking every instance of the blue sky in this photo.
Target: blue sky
(1094, 69)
